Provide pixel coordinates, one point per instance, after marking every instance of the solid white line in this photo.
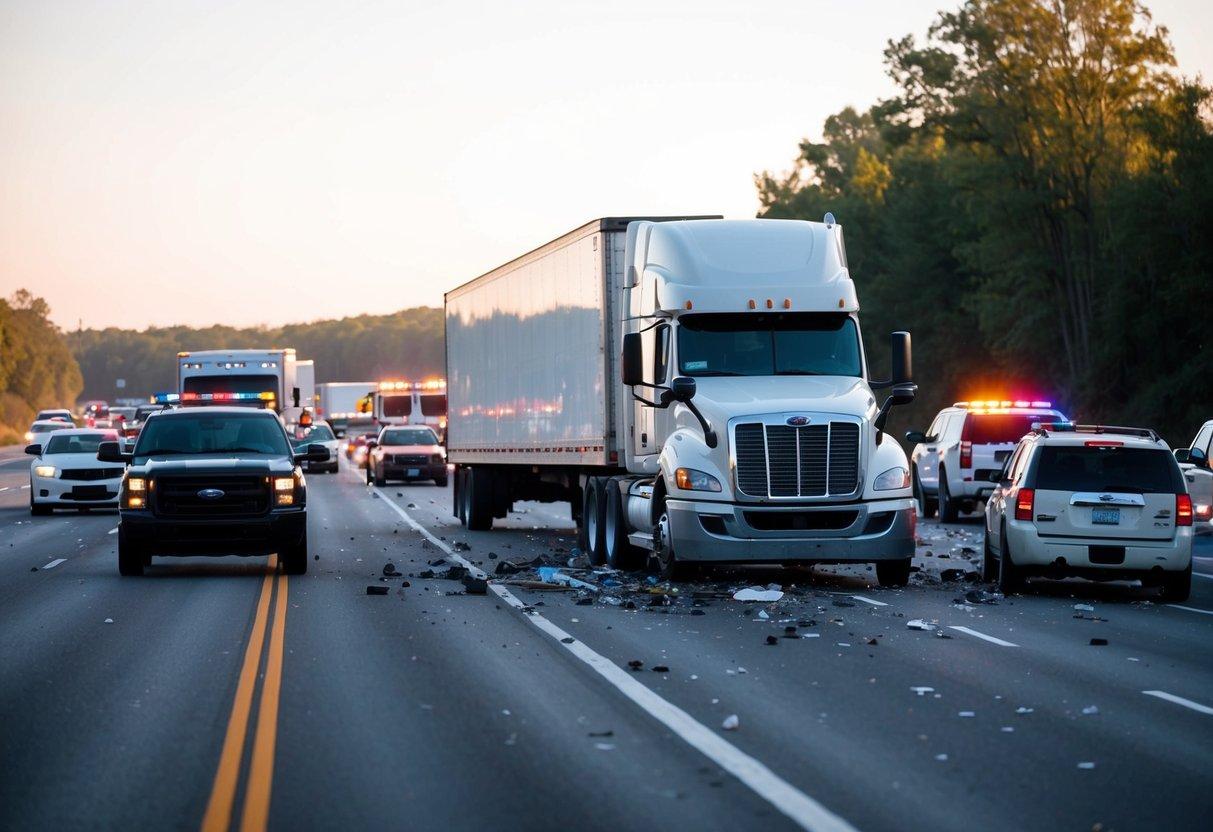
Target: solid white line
(114, 530)
(1190, 609)
(984, 637)
(1179, 700)
(1202, 575)
(795, 804)
(871, 601)
(55, 563)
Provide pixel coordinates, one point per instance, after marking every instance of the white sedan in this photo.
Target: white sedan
(66, 473)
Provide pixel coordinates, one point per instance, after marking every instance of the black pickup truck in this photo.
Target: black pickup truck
(212, 481)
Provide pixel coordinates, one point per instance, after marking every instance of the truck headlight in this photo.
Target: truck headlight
(688, 479)
(893, 479)
(135, 495)
(284, 491)
(44, 470)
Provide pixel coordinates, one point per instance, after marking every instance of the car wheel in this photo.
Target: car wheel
(893, 572)
(294, 557)
(441, 482)
(1010, 576)
(130, 556)
(1177, 586)
(989, 564)
(38, 509)
(592, 535)
(926, 505)
(620, 553)
(947, 506)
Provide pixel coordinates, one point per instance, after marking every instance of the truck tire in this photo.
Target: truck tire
(619, 552)
(479, 499)
(1177, 586)
(668, 566)
(1010, 576)
(926, 505)
(947, 505)
(591, 533)
(457, 496)
(294, 557)
(130, 556)
(893, 572)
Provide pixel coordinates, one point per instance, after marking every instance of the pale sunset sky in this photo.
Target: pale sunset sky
(262, 162)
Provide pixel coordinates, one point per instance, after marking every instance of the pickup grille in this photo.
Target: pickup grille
(410, 459)
(243, 496)
(785, 461)
(90, 474)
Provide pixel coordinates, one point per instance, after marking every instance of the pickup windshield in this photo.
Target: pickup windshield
(769, 344)
(211, 433)
(409, 436)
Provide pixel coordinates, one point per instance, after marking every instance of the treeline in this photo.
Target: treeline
(364, 348)
(37, 369)
(1036, 205)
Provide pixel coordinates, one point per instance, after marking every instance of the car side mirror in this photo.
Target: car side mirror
(683, 389)
(372, 443)
(33, 450)
(317, 453)
(110, 451)
(632, 363)
(1192, 456)
(916, 437)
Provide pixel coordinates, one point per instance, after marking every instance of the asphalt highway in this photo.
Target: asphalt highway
(216, 694)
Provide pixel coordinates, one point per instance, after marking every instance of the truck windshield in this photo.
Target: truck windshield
(211, 433)
(398, 404)
(769, 344)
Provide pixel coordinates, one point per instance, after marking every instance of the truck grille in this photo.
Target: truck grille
(243, 496)
(786, 461)
(90, 474)
(410, 459)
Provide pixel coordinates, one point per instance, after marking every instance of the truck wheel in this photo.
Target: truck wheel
(620, 553)
(989, 564)
(130, 556)
(667, 563)
(926, 505)
(479, 497)
(457, 496)
(947, 506)
(294, 557)
(1010, 576)
(893, 572)
(591, 534)
(1177, 586)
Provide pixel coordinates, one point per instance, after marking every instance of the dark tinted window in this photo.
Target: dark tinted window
(661, 353)
(78, 443)
(433, 404)
(1135, 470)
(212, 433)
(398, 404)
(50, 428)
(1001, 428)
(408, 436)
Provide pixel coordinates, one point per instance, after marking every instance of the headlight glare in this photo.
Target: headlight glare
(688, 479)
(44, 470)
(136, 484)
(893, 479)
(284, 484)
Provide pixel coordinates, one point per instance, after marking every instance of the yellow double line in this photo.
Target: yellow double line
(256, 810)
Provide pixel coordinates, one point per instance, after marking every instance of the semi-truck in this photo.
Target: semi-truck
(265, 379)
(695, 388)
(337, 402)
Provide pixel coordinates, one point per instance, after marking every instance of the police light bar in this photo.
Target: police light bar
(165, 398)
(267, 396)
(1003, 403)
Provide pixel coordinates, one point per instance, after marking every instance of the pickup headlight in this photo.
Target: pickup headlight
(135, 495)
(284, 491)
(44, 470)
(688, 479)
(893, 479)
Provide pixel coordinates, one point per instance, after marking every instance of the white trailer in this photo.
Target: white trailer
(696, 388)
(249, 378)
(337, 402)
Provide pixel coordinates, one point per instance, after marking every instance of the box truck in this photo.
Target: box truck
(696, 388)
(337, 402)
(399, 402)
(250, 378)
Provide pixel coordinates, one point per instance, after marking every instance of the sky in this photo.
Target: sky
(252, 162)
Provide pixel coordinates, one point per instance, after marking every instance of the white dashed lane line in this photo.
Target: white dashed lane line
(992, 639)
(1190, 609)
(871, 601)
(1179, 700)
(803, 810)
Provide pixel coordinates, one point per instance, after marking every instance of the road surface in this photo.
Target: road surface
(213, 693)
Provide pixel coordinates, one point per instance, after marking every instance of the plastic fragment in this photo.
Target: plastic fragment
(731, 723)
(919, 624)
(757, 593)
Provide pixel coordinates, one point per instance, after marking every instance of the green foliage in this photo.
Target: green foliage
(404, 344)
(1034, 204)
(36, 367)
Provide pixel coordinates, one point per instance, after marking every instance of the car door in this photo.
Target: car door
(926, 459)
(650, 421)
(1199, 479)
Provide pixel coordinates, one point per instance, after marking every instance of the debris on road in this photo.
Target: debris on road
(1086, 766)
(982, 596)
(731, 723)
(1022, 711)
(1099, 642)
(390, 571)
(771, 641)
(376, 590)
(109, 621)
(1084, 607)
(1090, 710)
(475, 586)
(757, 593)
(919, 624)
(922, 690)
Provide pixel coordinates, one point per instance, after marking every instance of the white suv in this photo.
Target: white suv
(1194, 462)
(1099, 502)
(952, 460)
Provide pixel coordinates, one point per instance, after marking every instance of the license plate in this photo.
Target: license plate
(89, 492)
(414, 472)
(1105, 516)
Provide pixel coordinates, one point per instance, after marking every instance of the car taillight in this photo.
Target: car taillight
(1183, 510)
(1024, 503)
(966, 454)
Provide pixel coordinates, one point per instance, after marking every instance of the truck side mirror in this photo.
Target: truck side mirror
(902, 364)
(683, 388)
(632, 365)
(1191, 456)
(916, 437)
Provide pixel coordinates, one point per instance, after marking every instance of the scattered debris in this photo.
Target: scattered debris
(389, 571)
(982, 596)
(1090, 710)
(919, 624)
(943, 758)
(772, 641)
(1021, 710)
(553, 575)
(1099, 642)
(1086, 766)
(731, 722)
(376, 590)
(660, 668)
(966, 714)
(635, 664)
(921, 690)
(109, 621)
(475, 586)
(567, 640)
(1084, 607)
(757, 593)
(763, 615)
